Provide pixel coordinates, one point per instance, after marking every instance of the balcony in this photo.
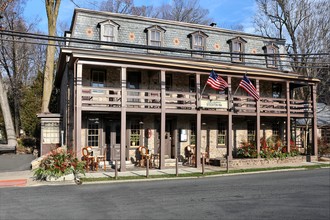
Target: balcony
(110, 99)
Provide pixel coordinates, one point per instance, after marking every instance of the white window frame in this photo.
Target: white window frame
(234, 43)
(271, 52)
(198, 42)
(150, 37)
(105, 37)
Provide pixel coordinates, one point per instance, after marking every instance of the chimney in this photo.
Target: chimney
(213, 24)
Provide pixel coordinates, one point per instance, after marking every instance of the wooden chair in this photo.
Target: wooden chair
(87, 156)
(101, 157)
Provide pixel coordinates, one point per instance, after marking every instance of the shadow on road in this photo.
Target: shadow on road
(15, 162)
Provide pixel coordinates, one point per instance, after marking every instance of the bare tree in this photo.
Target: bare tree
(185, 11)
(52, 8)
(306, 25)
(117, 6)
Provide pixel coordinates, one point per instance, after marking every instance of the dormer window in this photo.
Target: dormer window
(108, 32)
(155, 37)
(198, 42)
(237, 49)
(271, 52)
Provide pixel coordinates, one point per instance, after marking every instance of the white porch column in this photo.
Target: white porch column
(162, 119)
(288, 116)
(77, 118)
(123, 121)
(230, 122)
(314, 125)
(258, 120)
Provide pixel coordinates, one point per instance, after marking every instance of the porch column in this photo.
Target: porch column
(199, 122)
(258, 120)
(162, 119)
(77, 118)
(315, 147)
(123, 120)
(199, 139)
(288, 116)
(230, 122)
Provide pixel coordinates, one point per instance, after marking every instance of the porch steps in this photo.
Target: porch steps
(171, 162)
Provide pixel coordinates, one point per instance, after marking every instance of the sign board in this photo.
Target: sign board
(206, 103)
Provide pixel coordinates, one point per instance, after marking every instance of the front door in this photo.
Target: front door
(113, 140)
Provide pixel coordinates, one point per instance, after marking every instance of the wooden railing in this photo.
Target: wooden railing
(136, 98)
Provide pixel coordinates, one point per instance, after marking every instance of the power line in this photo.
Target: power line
(226, 56)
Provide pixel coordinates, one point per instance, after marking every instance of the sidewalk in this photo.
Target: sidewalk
(25, 178)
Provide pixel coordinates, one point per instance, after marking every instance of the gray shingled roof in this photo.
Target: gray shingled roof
(323, 116)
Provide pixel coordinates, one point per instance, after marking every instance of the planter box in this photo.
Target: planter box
(68, 177)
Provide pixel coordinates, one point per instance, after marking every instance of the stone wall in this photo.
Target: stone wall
(255, 162)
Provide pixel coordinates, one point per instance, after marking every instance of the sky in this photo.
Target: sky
(225, 13)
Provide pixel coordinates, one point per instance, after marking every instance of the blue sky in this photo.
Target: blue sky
(224, 12)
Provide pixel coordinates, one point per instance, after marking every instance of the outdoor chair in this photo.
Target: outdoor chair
(88, 157)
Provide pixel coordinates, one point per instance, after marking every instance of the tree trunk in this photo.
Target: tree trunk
(11, 137)
(52, 7)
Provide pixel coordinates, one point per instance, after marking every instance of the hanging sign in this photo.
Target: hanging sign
(206, 103)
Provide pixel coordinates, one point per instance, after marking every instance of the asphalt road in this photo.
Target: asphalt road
(15, 162)
(279, 195)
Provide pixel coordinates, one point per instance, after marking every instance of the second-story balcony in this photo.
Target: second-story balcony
(111, 99)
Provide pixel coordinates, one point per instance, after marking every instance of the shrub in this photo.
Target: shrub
(57, 163)
(323, 147)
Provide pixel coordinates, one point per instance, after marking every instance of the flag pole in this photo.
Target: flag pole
(204, 88)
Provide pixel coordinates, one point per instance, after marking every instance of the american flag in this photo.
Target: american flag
(216, 82)
(247, 85)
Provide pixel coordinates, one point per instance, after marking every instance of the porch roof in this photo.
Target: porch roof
(169, 63)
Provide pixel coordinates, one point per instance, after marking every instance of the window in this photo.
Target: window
(168, 82)
(155, 37)
(198, 42)
(276, 130)
(51, 133)
(251, 132)
(222, 134)
(135, 134)
(108, 32)
(271, 52)
(93, 132)
(237, 48)
(277, 90)
(193, 130)
(192, 84)
(98, 78)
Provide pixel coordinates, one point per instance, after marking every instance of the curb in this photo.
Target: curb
(11, 183)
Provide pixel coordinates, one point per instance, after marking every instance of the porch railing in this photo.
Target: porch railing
(137, 98)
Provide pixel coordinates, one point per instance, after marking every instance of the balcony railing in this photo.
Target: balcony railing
(137, 98)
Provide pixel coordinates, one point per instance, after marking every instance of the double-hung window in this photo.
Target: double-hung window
(198, 42)
(237, 49)
(155, 37)
(108, 32)
(271, 54)
(222, 134)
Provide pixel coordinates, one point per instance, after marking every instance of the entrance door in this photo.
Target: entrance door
(113, 140)
(169, 141)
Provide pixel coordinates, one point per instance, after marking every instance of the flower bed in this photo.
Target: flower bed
(58, 163)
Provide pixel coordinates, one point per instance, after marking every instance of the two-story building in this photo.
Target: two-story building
(127, 81)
